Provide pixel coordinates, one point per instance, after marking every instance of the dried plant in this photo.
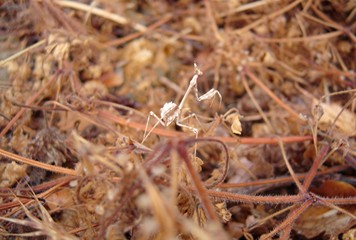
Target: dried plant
(78, 81)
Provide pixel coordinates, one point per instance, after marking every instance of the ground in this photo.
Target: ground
(263, 146)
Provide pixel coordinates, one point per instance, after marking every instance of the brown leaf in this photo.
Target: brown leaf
(333, 188)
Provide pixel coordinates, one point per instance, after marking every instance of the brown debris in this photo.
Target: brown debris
(78, 81)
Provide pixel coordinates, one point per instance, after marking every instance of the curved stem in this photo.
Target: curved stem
(227, 158)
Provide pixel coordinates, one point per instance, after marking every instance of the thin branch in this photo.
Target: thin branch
(263, 220)
(302, 190)
(38, 164)
(120, 41)
(20, 53)
(319, 37)
(327, 203)
(270, 93)
(257, 106)
(268, 17)
(101, 13)
(245, 7)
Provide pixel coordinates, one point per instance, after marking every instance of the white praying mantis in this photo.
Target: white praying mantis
(171, 112)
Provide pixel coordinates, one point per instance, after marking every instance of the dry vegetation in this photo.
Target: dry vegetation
(79, 78)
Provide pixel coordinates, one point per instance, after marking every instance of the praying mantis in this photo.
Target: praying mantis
(171, 112)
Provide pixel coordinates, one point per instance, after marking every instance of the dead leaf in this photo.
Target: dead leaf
(318, 219)
(11, 173)
(346, 122)
(234, 120)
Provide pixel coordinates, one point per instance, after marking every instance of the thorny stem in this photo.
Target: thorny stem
(340, 201)
(266, 140)
(310, 198)
(234, 197)
(285, 234)
(311, 174)
(288, 221)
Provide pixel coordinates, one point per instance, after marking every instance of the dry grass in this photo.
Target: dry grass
(78, 80)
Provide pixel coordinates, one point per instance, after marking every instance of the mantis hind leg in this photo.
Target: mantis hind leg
(159, 121)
